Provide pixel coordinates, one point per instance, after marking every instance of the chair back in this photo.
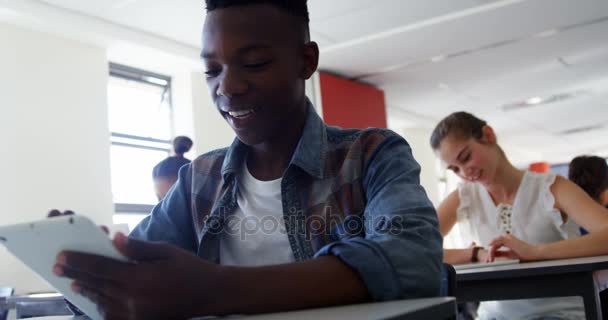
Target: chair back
(448, 281)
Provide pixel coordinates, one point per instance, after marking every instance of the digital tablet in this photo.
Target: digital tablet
(485, 264)
(37, 244)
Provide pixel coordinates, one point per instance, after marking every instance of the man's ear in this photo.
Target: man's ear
(311, 59)
(488, 135)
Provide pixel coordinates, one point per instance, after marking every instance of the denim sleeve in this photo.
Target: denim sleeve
(171, 219)
(400, 255)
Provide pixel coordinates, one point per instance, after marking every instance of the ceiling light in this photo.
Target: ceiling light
(546, 33)
(444, 86)
(582, 129)
(534, 100)
(438, 58)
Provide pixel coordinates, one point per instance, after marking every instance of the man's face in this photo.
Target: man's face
(256, 65)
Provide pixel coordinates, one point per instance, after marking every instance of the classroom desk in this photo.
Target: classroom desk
(555, 278)
(418, 309)
(423, 309)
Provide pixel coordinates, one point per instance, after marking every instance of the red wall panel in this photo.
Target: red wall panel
(351, 104)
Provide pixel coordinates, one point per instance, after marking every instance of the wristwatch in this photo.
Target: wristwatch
(475, 254)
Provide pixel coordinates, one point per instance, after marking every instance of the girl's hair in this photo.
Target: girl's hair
(462, 124)
(181, 145)
(590, 173)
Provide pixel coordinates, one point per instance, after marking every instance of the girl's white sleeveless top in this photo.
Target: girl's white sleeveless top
(532, 218)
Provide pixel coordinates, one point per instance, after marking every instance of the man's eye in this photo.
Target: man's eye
(257, 65)
(466, 158)
(212, 73)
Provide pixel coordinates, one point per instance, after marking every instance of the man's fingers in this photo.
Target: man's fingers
(110, 304)
(53, 213)
(78, 263)
(57, 213)
(139, 250)
(85, 278)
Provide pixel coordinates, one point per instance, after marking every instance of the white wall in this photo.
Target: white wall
(423, 153)
(211, 131)
(54, 124)
(520, 157)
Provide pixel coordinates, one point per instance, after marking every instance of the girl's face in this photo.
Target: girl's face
(471, 159)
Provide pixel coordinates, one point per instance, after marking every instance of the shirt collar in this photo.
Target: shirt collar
(309, 154)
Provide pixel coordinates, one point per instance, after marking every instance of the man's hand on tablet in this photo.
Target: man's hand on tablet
(160, 282)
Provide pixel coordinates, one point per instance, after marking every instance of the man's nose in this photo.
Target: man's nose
(232, 84)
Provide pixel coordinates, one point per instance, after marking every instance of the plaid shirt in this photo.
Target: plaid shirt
(354, 194)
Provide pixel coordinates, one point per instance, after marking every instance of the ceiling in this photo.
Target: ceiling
(433, 57)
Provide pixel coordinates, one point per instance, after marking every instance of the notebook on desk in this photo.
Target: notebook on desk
(485, 264)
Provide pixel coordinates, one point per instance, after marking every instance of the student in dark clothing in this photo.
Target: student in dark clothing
(591, 174)
(165, 172)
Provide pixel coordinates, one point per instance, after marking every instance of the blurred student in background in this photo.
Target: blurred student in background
(165, 172)
(529, 216)
(591, 174)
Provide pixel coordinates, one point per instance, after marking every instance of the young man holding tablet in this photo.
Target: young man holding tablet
(338, 216)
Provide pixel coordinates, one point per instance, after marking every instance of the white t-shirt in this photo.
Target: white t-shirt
(255, 234)
(531, 217)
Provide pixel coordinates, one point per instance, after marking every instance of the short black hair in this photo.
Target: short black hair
(590, 173)
(296, 8)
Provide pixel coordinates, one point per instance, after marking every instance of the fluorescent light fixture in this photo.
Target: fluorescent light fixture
(547, 33)
(444, 86)
(555, 98)
(534, 100)
(438, 58)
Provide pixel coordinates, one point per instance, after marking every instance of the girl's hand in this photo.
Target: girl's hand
(516, 249)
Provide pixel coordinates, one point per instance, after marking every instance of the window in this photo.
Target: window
(139, 104)
(561, 169)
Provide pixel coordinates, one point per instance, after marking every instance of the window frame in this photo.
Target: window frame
(141, 142)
